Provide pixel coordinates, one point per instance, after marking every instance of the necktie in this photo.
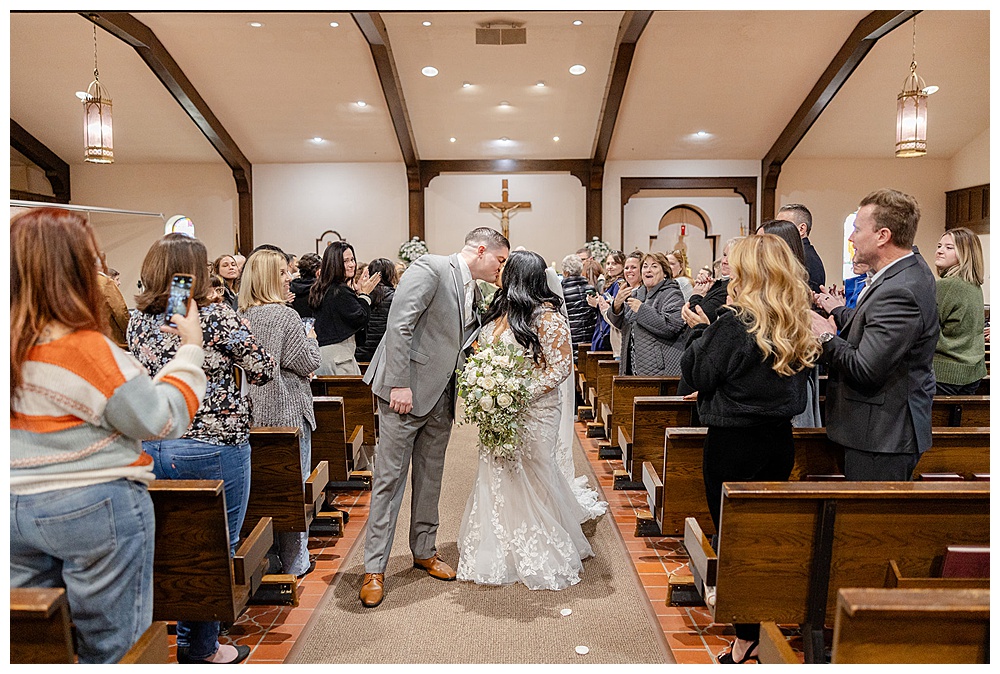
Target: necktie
(867, 284)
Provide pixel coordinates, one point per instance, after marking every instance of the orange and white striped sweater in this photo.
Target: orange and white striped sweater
(84, 407)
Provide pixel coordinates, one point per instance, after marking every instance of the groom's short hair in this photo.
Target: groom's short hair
(487, 236)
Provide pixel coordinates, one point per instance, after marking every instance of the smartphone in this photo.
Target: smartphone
(308, 324)
(591, 292)
(180, 293)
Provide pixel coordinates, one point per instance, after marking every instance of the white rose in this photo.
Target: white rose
(486, 403)
(504, 400)
(470, 377)
(488, 383)
(487, 369)
(500, 378)
(502, 361)
(511, 385)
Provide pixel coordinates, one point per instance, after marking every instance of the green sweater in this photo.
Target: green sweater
(960, 357)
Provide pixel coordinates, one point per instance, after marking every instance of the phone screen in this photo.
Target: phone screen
(180, 292)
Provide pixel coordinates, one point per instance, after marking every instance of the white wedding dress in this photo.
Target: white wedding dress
(522, 519)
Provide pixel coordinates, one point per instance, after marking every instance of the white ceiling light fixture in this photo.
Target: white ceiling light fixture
(504, 139)
(504, 104)
(255, 24)
(81, 95)
(97, 126)
(702, 134)
(361, 104)
(577, 69)
(429, 71)
(334, 24)
(931, 89)
(452, 139)
(911, 111)
(317, 140)
(555, 138)
(426, 23)
(540, 84)
(466, 85)
(578, 23)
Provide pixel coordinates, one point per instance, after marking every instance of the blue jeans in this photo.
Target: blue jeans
(186, 459)
(97, 542)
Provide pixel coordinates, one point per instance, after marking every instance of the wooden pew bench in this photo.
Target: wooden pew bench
(606, 370)
(786, 548)
(194, 577)
(359, 410)
(41, 631)
(919, 626)
(624, 391)
(336, 443)
(651, 415)
(965, 411)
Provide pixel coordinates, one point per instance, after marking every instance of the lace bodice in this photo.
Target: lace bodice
(553, 333)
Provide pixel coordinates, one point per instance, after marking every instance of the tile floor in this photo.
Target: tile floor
(693, 638)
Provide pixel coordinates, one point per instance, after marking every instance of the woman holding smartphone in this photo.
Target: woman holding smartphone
(286, 400)
(614, 266)
(217, 444)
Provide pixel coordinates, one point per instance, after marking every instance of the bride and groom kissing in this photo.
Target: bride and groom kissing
(522, 522)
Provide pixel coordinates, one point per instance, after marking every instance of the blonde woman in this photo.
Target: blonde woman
(287, 399)
(680, 272)
(749, 368)
(960, 356)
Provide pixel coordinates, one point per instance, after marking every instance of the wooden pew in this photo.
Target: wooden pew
(591, 375)
(277, 490)
(919, 626)
(965, 451)
(580, 367)
(41, 631)
(332, 441)
(786, 548)
(193, 575)
(624, 390)
(972, 411)
(774, 648)
(359, 408)
(607, 369)
(651, 415)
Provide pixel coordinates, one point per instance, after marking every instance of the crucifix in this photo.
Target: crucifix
(504, 209)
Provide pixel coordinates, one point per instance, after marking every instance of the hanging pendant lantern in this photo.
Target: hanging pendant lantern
(911, 111)
(97, 126)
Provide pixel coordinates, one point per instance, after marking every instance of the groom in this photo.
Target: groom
(432, 321)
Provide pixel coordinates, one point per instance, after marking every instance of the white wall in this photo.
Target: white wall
(367, 203)
(724, 214)
(554, 226)
(206, 193)
(969, 168)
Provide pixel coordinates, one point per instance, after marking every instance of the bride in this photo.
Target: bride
(522, 519)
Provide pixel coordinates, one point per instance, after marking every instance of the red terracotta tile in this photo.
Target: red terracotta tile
(693, 657)
(656, 594)
(684, 640)
(283, 633)
(649, 567)
(272, 651)
(674, 623)
(653, 579)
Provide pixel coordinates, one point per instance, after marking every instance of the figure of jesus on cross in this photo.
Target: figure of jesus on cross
(504, 209)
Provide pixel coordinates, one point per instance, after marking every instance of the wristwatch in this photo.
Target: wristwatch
(825, 337)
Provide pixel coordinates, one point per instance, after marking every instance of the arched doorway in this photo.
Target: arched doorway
(686, 227)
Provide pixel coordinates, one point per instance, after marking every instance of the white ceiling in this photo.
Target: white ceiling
(739, 75)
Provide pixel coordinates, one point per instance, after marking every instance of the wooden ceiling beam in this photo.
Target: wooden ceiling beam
(55, 168)
(138, 35)
(629, 32)
(861, 41)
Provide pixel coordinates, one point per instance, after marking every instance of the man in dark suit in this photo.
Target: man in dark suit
(881, 385)
(800, 216)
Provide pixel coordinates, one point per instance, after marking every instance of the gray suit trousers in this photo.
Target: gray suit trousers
(406, 439)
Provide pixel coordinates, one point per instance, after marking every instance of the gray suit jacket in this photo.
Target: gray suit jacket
(423, 341)
(881, 380)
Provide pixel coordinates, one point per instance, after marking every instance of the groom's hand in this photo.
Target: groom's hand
(401, 400)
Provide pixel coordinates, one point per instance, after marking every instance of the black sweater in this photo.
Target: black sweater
(714, 298)
(341, 314)
(377, 322)
(300, 287)
(736, 386)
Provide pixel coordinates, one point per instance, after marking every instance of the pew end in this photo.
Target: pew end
(40, 626)
(894, 579)
(250, 561)
(911, 626)
(152, 647)
(704, 562)
(774, 648)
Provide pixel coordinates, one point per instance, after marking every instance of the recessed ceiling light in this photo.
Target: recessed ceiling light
(577, 69)
(702, 134)
(466, 85)
(430, 71)
(505, 139)
(334, 24)
(930, 89)
(81, 95)
(578, 23)
(504, 104)
(317, 140)
(254, 24)
(427, 23)
(362, 104)
(555, 138)
(452, 139)
(539, 83)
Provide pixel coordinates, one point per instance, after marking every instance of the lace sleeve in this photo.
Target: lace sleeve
(553, 333)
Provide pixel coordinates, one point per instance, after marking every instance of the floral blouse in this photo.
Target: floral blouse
(224, 415)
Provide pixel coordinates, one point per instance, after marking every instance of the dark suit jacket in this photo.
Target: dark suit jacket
(814, 265)
(881, 382)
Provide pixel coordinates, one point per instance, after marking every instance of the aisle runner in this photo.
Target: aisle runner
(423, 620)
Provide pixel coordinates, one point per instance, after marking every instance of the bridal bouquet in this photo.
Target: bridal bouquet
(494, 386)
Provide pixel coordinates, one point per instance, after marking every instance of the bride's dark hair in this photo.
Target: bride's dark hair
(524, 290)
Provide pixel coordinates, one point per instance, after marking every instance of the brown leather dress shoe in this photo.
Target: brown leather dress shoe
(372, 589)
(435, 567)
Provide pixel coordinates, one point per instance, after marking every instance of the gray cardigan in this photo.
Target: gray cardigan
(656, 331)
(287, 398)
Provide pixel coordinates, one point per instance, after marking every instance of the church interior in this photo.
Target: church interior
(650, 130)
